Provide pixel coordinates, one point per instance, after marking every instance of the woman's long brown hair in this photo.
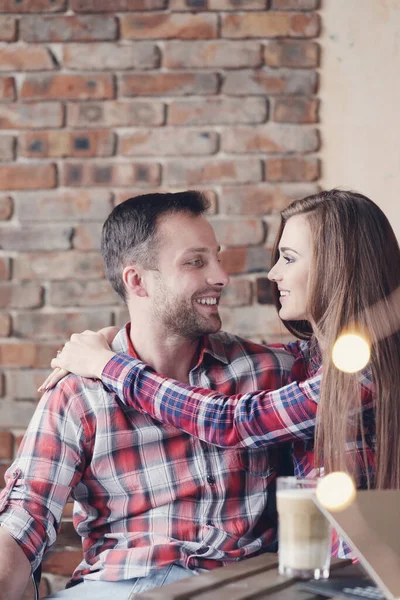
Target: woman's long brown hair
(354, 284)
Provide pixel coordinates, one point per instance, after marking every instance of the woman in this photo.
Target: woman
(337, 267)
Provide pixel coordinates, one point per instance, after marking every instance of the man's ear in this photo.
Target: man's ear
(132, 276)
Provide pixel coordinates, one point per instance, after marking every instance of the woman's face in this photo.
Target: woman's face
(291, 271)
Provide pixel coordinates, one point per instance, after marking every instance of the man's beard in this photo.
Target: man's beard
(180, 316)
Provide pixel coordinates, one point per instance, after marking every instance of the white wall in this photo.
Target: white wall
(360, 100)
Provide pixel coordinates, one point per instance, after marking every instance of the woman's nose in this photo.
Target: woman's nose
(273, 274)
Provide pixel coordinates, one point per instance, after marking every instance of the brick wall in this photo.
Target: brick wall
(101, 100)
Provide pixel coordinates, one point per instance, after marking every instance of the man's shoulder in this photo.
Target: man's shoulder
(232, 344)
(75, 393)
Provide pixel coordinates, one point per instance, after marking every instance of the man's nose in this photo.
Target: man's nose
(218, 276)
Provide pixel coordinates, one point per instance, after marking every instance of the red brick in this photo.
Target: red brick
(238, 293)
(270, 25)
(295, 4)
(295, 110)
(30, 6)
(60, 144)
(87, 236)
(258, 259)
(270, 138)
(89, 6)
(27, 177)
(68, 28)
(8, 29)
(47, 326)
(115, 114)
(217, 53)
(168, 84)
(58, 265)
(106, 56)
(217, 111)
(7, 144)
(82, 293)
(6, 445)
(27, 238)
(63, 205)
(261, 199)
(23, 384)
(31, 116)
(270, 81)
(168, 141)
(292, 169)
(20, 413)
(5, 325)
(108, 173)
(6, 208)
(169, 26)
(69, 87)
(247, 200)
(17, 353)
(236, 5)
(200, 171)
(245, 260)
(287, 53)
(238, 231)
(5, 268)
(234, 260)
(28, 58)
(24, 294)
(264, 291)
(7, 89)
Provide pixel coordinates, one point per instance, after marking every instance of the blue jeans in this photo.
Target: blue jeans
(123, 590)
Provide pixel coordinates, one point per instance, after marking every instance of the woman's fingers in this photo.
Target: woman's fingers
(85, 354)
(55, 376)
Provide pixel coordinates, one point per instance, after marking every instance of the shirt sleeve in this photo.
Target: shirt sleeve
(254, 419)
(48, 465)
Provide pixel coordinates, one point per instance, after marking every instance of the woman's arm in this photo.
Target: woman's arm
(254, 419)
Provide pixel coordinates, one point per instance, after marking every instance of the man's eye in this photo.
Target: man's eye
(196, 262)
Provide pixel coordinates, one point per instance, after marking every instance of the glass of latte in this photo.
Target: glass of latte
(304, 532)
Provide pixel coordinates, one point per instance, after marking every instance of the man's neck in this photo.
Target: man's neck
(170, 355)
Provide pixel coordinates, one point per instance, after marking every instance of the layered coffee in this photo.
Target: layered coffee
(304, 534)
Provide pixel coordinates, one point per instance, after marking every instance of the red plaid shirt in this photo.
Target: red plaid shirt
(253, 420)
(146, 494)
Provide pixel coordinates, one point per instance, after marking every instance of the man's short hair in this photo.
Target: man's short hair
(129, 234)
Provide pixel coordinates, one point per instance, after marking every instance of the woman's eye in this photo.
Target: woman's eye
(288, 259)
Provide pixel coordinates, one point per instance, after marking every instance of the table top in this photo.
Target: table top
(256, 577)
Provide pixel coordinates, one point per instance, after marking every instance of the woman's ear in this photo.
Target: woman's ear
(132, 276)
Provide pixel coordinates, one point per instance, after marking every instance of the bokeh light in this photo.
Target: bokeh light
(336, 491)
(351, 352)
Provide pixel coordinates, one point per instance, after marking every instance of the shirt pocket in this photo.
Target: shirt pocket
(256, 462)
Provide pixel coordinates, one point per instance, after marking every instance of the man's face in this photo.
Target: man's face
(186, 287)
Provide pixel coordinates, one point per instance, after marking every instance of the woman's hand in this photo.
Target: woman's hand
(85, 354)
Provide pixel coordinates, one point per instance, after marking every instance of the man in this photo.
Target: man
(152, 504)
